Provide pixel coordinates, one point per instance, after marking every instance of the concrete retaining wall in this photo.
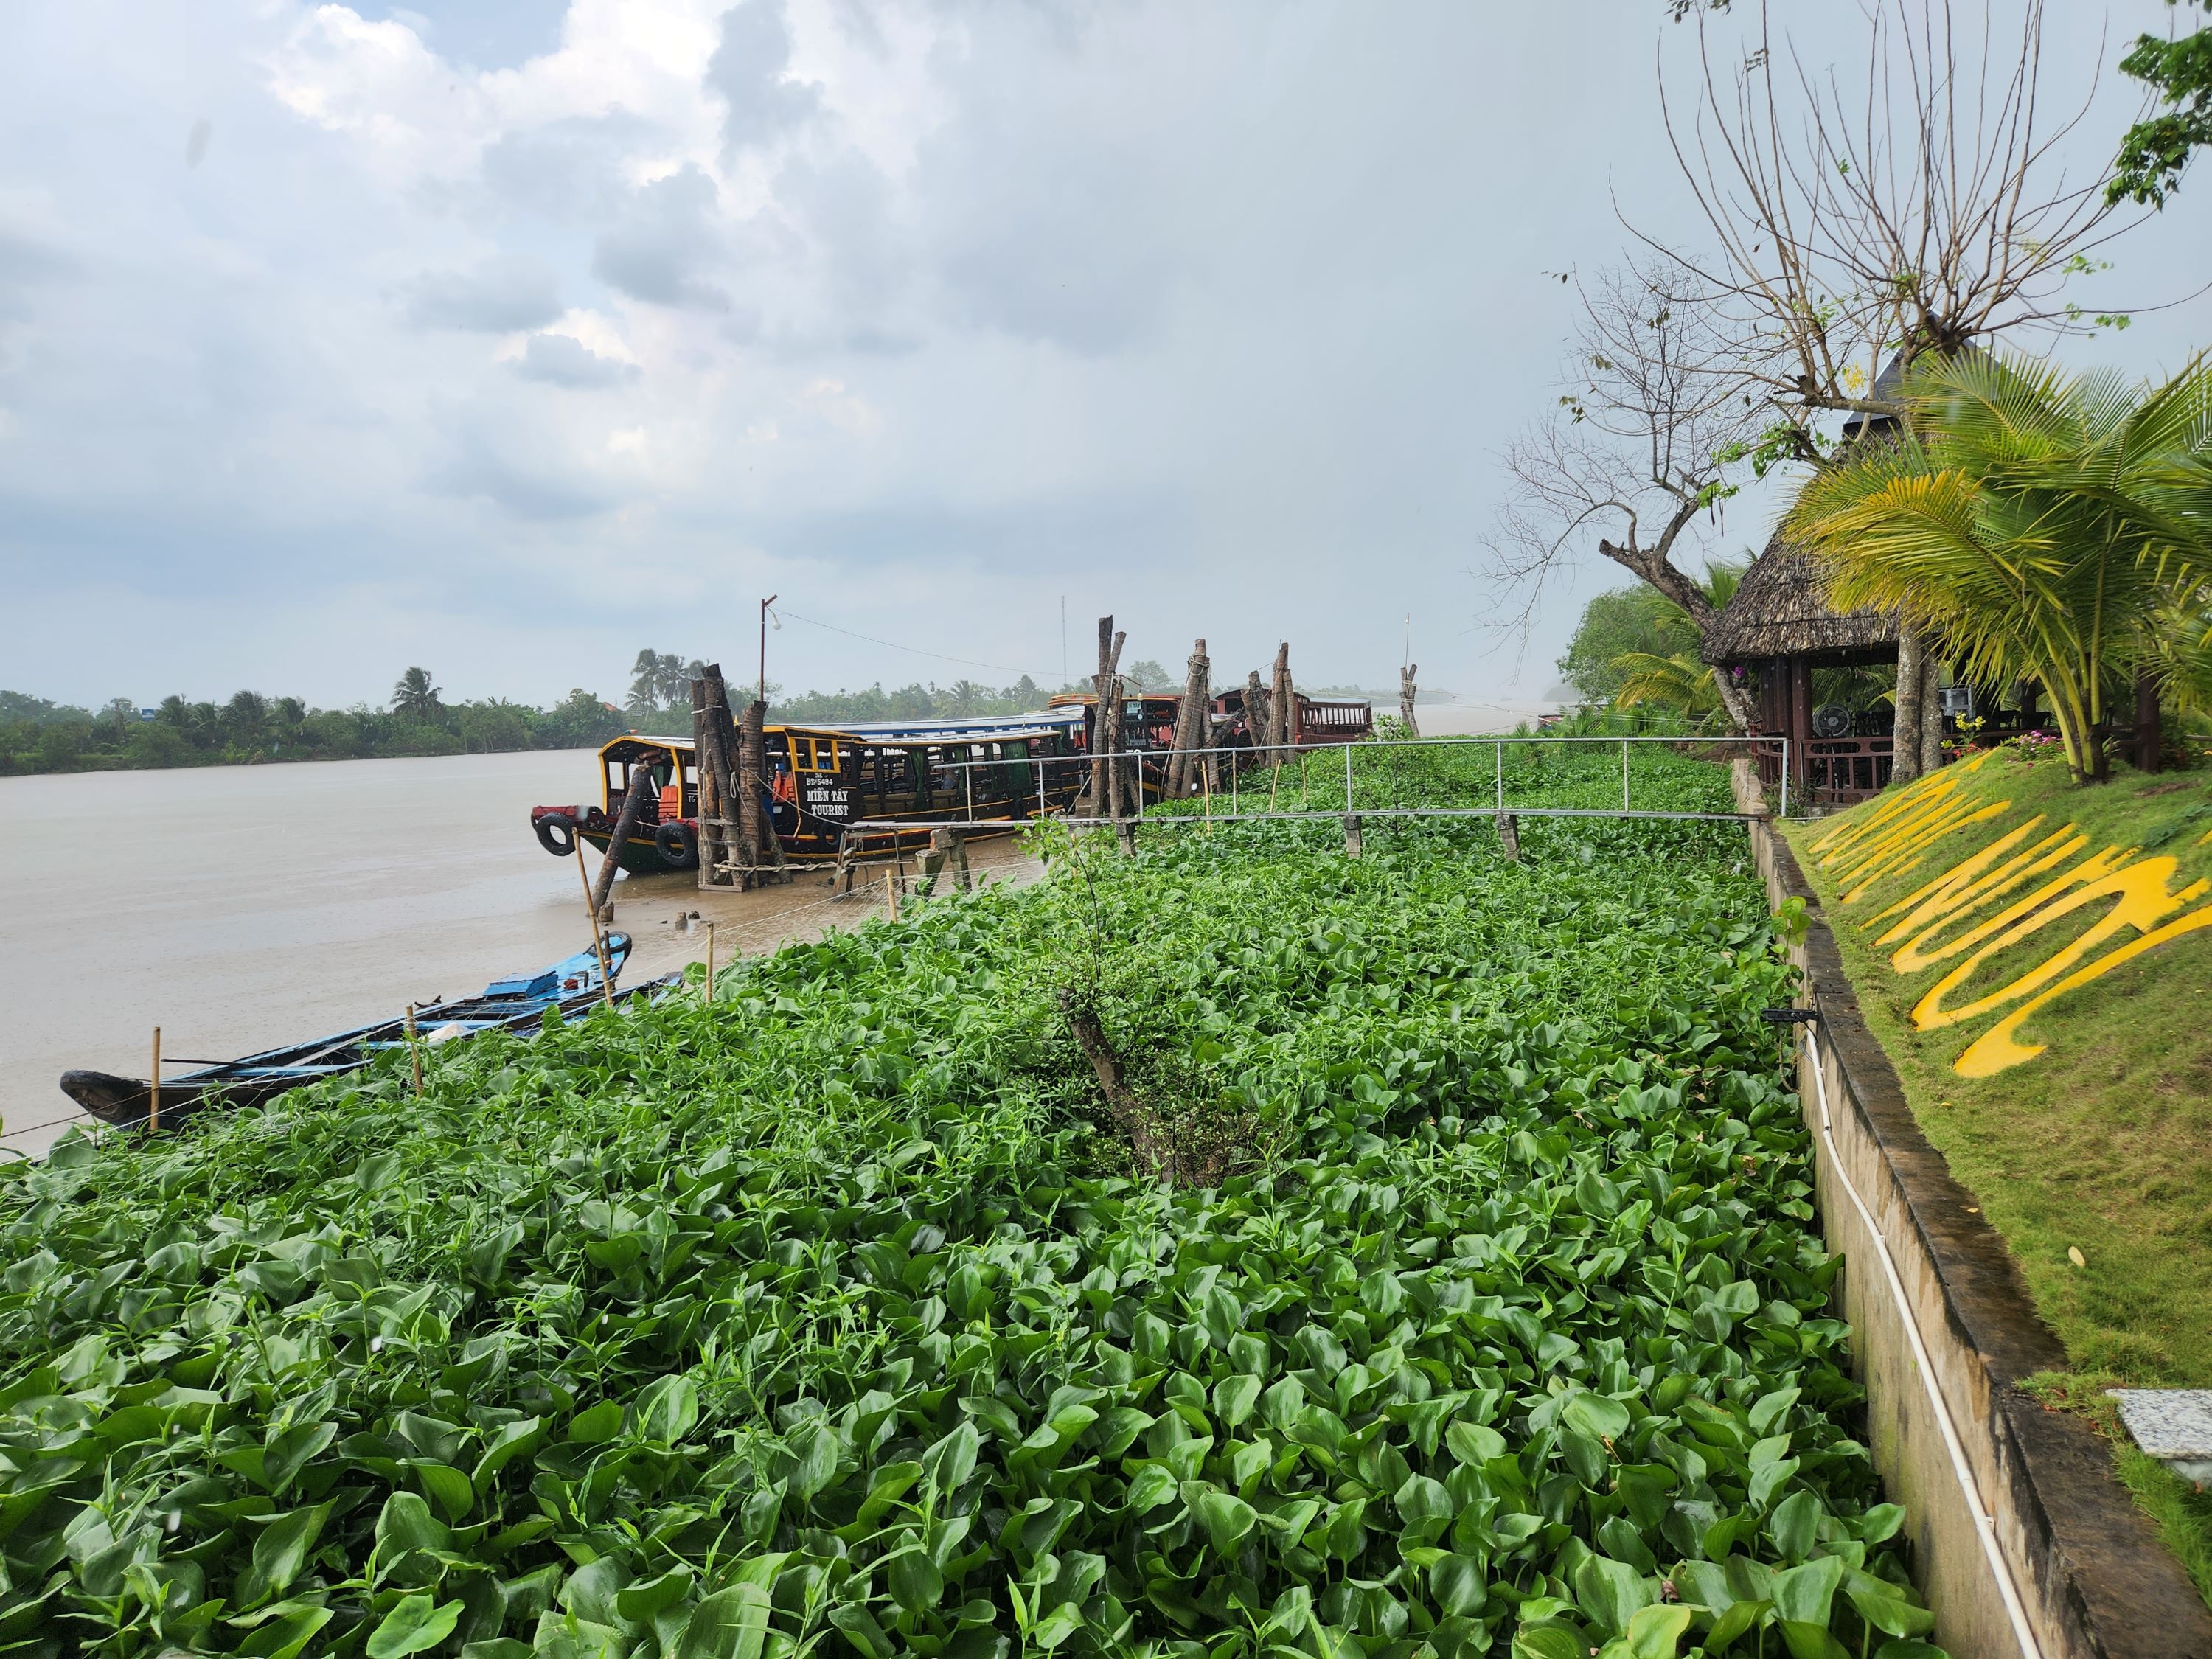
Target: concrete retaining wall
(2093, 1579)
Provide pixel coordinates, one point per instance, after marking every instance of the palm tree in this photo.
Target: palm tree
(414, 695)
(1672, 677)
(1679, 682)
(2047, 525)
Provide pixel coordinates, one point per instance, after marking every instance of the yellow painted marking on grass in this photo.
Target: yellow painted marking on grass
(1959, 888)
(2142, 902)
(1924, 951)
(1912, 843)
(1999, 1049)
(1930, 925)
(1839, 837)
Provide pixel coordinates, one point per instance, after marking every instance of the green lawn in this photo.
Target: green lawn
(2102, 1142)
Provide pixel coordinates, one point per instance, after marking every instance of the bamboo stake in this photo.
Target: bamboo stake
(414, 1048)
(710, 962)
(890, 893)
(592, 913)
(154, 1115)
(1205, 792)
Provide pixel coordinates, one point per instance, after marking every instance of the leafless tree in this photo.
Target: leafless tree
(1920, 203)
(1650, 438)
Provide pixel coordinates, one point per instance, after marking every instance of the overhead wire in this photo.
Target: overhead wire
(893, 645)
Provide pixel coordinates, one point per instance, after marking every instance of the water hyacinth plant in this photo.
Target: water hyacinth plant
(828, 1317)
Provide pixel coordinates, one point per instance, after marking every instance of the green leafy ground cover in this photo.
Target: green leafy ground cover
(826, 1317)
(2103, 1142)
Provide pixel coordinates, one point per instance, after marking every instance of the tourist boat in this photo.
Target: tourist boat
(999, 770)
(514, 1004)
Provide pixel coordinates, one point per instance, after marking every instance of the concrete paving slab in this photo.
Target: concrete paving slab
(2174, 1425)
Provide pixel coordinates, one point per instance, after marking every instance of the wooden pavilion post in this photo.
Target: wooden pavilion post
(1801, 727)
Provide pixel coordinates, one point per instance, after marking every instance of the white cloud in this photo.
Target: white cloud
(936, 313)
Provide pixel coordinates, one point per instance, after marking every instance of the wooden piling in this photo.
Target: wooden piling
(1351, 847)
(1190, 723)
(414, 1048)
(767, 846)
(1509, 835)
(1100, 798)
(709, 799)
(1282, 697)
(1405, 699)
(633, 808)
(591, 915)
(153, 1099)
(1256, 721)
(717, 737)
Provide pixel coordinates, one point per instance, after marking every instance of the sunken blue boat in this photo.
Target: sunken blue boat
(518, 1003)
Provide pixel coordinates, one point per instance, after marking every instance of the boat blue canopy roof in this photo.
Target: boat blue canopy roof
(980, 727)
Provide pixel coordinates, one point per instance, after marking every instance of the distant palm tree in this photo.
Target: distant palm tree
(414, 695)
(1675, 678)
(2046, 526)
(1679, 682)
(659, 680)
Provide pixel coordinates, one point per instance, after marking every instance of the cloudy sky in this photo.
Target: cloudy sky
(508, 335)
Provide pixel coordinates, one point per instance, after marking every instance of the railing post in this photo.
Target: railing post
(1501, 775)
(1784, 812)
(1623, 775)
(1347, 780)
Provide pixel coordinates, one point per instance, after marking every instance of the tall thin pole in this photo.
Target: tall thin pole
(154, 1115)
(1063, 639)
(710, 962)
(765, 602)
(591, 912)
(1623, 775)
(414, 1048)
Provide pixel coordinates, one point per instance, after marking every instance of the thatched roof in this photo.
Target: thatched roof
(1781, 610)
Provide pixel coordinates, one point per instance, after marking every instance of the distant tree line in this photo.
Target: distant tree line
(37, 735)
(660, 695)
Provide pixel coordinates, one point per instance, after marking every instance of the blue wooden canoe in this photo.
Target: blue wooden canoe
(516, 1003)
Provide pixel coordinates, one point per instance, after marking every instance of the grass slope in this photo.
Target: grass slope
(2101, 1143)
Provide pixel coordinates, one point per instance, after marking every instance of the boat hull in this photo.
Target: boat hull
(569, 987)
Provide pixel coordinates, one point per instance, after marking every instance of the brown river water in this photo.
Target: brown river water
(241, 908)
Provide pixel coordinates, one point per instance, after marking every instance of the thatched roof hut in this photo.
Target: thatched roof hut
(1780, 609)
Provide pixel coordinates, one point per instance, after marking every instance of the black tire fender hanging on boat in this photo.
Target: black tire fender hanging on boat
(679, 843)
(556, 833)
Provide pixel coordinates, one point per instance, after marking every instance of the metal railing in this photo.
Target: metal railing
(1242, 760)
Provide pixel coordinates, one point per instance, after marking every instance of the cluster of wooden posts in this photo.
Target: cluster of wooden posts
(1202, 739)
(737, 843)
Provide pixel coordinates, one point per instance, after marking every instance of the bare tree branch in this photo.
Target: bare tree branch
(1922, 208)
(1647, 437)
